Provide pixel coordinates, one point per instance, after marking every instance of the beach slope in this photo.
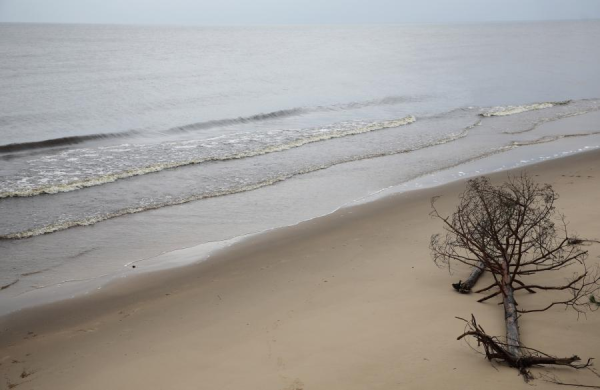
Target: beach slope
(347, 301)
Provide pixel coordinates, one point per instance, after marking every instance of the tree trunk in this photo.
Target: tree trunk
(466, 286)
(511, 318)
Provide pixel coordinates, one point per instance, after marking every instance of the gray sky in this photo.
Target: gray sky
(292, 11)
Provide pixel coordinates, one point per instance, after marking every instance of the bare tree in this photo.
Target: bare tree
(513, 231)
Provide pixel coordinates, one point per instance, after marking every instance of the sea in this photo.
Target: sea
(127, 149)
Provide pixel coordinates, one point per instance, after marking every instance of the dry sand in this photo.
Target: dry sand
(348, 301)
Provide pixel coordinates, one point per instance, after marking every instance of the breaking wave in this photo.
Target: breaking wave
(63, 141)
(390, 100)
(551, 138)
(239, 120)
(511, 110)
(66, 224)
(74, 174)
(552, 119)
(78, 139)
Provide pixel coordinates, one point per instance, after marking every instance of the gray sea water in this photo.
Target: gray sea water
(120, 144)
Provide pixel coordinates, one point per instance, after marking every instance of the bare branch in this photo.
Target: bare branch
(495, 349)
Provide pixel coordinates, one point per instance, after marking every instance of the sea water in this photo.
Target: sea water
(124, 145)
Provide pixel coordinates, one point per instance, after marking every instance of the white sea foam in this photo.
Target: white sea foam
(116, 160)
(512, 110)
(69, 173)
(552, 138)
(552, 119)
(168, 201)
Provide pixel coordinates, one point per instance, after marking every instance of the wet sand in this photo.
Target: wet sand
(347, 301)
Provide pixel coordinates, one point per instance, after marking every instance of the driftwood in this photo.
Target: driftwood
(500, 351)
(466, 286)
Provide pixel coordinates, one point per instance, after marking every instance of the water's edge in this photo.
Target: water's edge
(193, 255)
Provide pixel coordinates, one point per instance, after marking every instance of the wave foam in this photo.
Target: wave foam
(512, 110)
(63, 225)
(273, 115)
(129, 161)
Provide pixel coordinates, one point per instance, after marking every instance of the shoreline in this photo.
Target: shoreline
(203, 255)
(360, 279)
(91, 257)
(69, 290)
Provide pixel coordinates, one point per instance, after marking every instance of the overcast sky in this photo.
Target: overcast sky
(292, 11)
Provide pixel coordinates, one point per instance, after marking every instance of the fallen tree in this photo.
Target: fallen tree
(514, 232)
(466, 286)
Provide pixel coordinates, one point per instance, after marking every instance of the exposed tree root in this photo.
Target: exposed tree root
(499, 351)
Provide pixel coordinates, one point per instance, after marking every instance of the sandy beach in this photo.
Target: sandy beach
(347, 301)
